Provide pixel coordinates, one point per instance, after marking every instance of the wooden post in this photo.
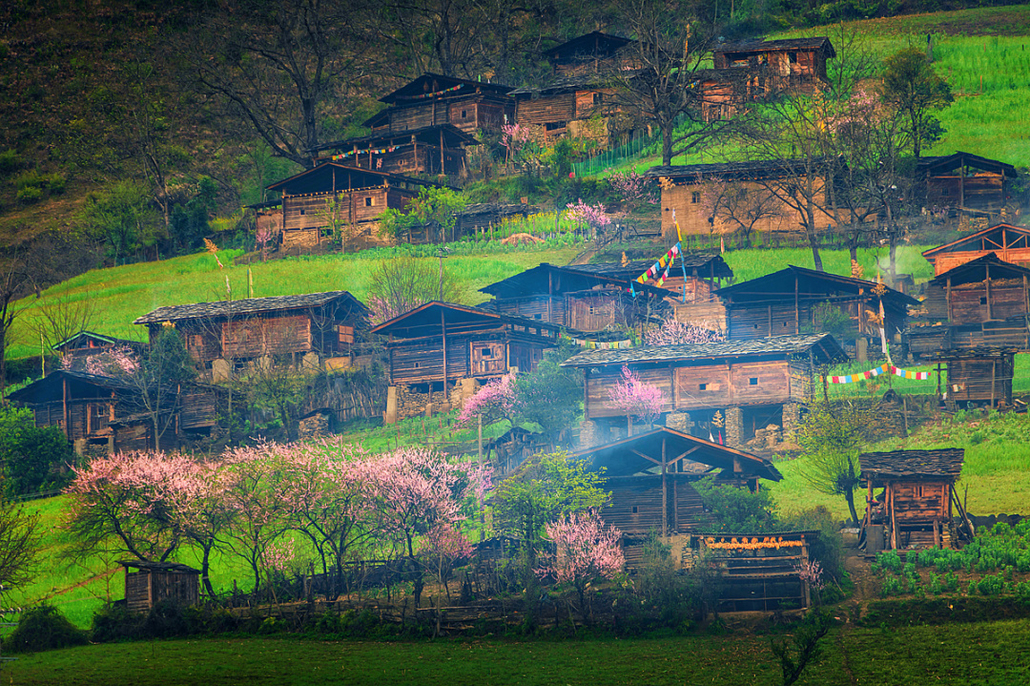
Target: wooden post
(443, 332)
(987, 283)
(482, 513)
(797, 309)
(550, 290)
(64, 408)
(894, 521)
(994, 373)
(949, 298)
(665, 496)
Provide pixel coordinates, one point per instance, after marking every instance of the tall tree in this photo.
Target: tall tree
(912, 88)
(13, 279)
(288, 69)
(672, 43)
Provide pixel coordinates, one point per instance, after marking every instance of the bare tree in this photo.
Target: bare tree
(744, 206)
(157, 380)
(14, 279)
(19, 542)
(58, 319)
(665, 87)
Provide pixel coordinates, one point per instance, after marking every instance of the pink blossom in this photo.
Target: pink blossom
(592, 215)
(673, 332)
(810, 572)
(636, 398)
(497, 400)
(634, 188)
(117, 361)
(585, 549)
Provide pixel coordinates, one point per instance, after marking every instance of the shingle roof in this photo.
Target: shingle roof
(813, 43)
(777, 345)
(913, 463)
(248, 306)
(765, 285)
(748, 169)
(635, 268)
(980, 236)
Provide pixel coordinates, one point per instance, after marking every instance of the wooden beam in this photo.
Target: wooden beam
(683, 454)
(665, 494)
(649, 459)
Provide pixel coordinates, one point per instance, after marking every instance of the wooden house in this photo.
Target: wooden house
(726, 92)
(694, 300)
(434, 100)
(651, 474)
(983, 302)
(757, 571)
(431, 150)
(775, 66)
(967, 183)
(684, 188)
(579, 100)
(159, 582)
(978, 375)
(77, 350)
(748, 384)
(583, 299)
(104, 413)
(592, 53)
(1005, 241)
(347, 197)
(789, 302)
(914, 507)
(312, 329)
(440, 352)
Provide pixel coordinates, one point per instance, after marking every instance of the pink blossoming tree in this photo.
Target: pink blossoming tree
(592, 216)
(634, 189)
(585, 549)
(636, 398)
(673, 332)
(497, 400)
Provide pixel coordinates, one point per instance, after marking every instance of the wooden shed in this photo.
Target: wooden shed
(1005, 241)
(758, 572)
(980, 290)
(431, 150)
(435, 346)
(219, 334)
(434, 99)
(914, 507)
(579, 105)
(592, 53)
(581, 298)
(155, 582)
(684, 187)
(650, 477)
(774, 66)
(351, 197)
(978, 375)
(750, 384)
(787, 302)
(966, 182)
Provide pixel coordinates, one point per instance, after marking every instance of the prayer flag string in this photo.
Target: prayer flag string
(882, 369)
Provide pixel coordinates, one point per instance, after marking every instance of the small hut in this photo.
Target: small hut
(153, 582)
(914, 507)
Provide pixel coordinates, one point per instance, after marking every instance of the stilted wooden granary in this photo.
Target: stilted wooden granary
(311, 329)
(440, 352)
(434, 99)
(1005, 241)
(980, 375)
(156, 582)
(913, 508)
(438, 149)
(787, 302)
(748, 384)
(650, 477)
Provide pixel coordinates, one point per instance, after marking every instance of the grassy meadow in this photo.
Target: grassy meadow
(980, 653)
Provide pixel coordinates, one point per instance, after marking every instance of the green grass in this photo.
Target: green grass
(124, 293)
(980, 653)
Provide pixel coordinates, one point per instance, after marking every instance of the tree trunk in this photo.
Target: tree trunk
(667, 143)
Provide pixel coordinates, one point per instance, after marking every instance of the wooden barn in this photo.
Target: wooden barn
(791, 300)
(583, 299)
(758, 571)
(431, 150)
(775, 66)
(434, 100)
(350, 198)
(1005, 241)
(726, 92)
(104, 413)
(966, 182)
(749, 185)
(312, 329)
(579, 99)
(651, 474)
(159, 582)
(913, 508)
(981, 290)
(748, 384)
(978, 376)
(439, 352)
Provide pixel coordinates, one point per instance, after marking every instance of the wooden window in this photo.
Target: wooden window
(634, 509)
(537, 316)
(695, 197)
(302, 213)
(554, 126)
(753, 381)
(702, 387)
(486, 352)
(464, 114)
(369, 202)
(792, 57)
(418, 365)
(983, 300)
(597, 98)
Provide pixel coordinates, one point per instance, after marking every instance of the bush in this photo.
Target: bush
(33, 458)
(828, 549)
(29, 195)
(9, 162)
(736, 510)
(890, 560)
(990, 585)
(44, 628)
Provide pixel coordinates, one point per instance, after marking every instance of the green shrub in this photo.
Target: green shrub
(29, 195)
(991, 585)
(891, 586)
(43, 628)
(890, 560)
(9, 162)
